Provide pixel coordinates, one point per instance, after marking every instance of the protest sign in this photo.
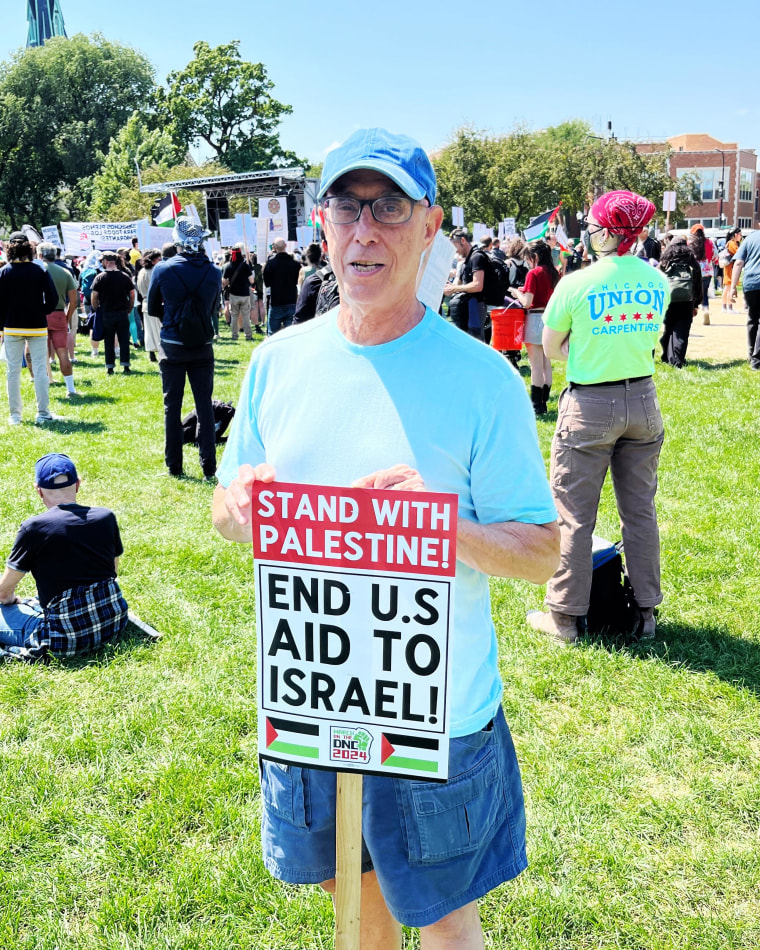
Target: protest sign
(51, 234)
(80, 237)
(457, 217)
(228, 232)
(305, 235)
(263, 242)
(435, 268)
(354, 598)
(509, 226)
(276, 209)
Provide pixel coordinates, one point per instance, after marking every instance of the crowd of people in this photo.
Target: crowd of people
(371, 388)
(695, 266)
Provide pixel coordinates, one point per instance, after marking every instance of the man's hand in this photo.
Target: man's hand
(400, 477)
(8, 584)
(231, 510)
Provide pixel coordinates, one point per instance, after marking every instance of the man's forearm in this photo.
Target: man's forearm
(510, 549)
(8, 584)
(95, 300)
(738, 265)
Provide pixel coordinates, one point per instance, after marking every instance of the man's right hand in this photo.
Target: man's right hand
(232, 509)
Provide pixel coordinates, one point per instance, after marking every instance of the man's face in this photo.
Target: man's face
(377, 263)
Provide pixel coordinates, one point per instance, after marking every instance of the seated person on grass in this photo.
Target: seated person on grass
(72, 552)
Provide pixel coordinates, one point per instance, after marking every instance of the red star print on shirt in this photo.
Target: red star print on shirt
(649, 316)
(637, 316)
(608, 318)
(622, 317)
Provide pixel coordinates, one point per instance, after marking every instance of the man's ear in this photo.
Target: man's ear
(433, 223)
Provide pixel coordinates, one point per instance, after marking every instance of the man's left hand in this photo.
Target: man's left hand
(400, 477)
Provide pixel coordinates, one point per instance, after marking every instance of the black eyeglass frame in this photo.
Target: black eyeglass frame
(370, 202)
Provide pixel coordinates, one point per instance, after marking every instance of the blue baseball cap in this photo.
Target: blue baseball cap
(399, 157)
(52, 466)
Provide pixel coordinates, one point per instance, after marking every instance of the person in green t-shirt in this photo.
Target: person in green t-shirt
(605, 321)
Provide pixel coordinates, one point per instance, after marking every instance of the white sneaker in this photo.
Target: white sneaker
(14, 421)
(43, 420)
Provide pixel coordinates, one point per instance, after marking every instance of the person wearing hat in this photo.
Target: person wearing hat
(72, 551)
(113, 294)
(380, 392)
(27, 296)
(605, 321)
(187, 284)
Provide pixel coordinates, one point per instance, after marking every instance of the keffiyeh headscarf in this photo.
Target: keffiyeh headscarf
(624, 213)
(189, 237)
(92, 261)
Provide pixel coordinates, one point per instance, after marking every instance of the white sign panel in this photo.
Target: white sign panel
(669, 201)
(79, 237)
(276, 210)
(434, 272)
(354, 598)
(51, 234)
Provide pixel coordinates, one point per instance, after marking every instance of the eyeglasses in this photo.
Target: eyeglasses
(389, 209)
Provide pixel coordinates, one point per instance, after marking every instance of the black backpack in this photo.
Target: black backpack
(518, 271)
(194, 317)
(681, 282)
(495, 281)
(612, 607)
(329, 292)
(223, 415)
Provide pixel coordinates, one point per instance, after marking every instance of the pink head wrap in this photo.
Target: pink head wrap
(625, 213)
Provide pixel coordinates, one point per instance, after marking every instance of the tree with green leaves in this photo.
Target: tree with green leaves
(225, 103)
(135, 146)
(60, 106)
(128, 203)
(525, 173)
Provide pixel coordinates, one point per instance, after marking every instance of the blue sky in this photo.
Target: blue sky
(422, 67)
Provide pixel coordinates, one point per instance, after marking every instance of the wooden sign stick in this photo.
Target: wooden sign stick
(348, 855)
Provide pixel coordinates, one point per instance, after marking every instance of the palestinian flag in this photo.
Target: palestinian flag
(538, 227)
(166, 211)
(408, 752)
(291, 737)
(317, 217)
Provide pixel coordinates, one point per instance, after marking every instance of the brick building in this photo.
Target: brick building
(715, 162)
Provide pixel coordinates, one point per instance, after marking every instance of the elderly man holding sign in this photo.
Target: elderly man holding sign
(381, 394)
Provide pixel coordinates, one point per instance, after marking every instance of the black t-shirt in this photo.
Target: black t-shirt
(67, 546)
(113, 287)
(237, 274)
(281, 276)
(475, 260)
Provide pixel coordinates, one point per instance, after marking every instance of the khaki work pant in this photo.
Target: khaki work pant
(617, 426)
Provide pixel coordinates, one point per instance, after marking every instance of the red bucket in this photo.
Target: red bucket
(507, 328)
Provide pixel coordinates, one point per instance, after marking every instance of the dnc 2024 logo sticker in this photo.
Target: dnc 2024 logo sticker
(350, 744)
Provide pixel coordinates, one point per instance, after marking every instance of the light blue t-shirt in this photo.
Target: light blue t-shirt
(324, 411)
(749, 252)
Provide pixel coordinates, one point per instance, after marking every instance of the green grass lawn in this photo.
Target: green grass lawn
(129, 797)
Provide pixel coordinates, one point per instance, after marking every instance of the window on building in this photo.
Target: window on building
(705, 222)
(746, 182)
(745, 223)
(708, 179)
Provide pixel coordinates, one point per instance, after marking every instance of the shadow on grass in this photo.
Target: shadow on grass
(66, 426)
(131, 639)
(704, 364)
(709, 649)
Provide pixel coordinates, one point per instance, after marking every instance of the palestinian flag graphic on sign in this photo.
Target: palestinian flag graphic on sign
(408, 752)
(538, 226)
(166, 211)
(290, 737)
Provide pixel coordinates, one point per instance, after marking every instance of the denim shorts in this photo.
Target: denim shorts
(434, 846)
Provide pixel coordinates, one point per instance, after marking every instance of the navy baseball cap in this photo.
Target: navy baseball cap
(52, 466)
(399, 157)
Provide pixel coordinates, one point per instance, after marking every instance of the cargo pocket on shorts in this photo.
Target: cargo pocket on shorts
(445, 821)
(285, 789)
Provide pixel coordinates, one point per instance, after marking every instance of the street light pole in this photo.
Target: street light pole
(722, 173)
